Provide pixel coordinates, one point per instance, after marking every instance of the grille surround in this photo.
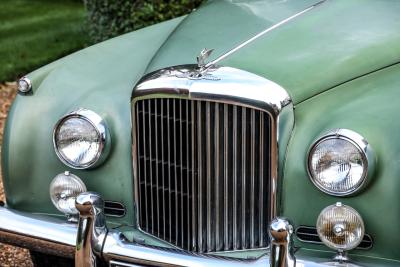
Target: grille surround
(226, 86)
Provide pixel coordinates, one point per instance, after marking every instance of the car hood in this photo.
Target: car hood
(333, 43)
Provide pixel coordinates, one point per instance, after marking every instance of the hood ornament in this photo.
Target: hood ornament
(202, 57)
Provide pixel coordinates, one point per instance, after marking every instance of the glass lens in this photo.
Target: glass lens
(337, 166)
(340, 227)
(63, 191)
(78, 142)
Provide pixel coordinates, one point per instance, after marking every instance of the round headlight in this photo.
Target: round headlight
(340, 227)
(339, 162)
(81, 139)
(64, 189)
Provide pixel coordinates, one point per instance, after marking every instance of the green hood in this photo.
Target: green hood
(329, 45)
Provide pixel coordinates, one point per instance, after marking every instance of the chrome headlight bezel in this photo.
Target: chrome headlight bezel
(363, 147)
(101, 129)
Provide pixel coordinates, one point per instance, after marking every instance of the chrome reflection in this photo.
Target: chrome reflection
(90, 139)
(340, 162)
(222, 86)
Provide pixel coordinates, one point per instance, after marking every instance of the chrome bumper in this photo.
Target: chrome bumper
(91, 241)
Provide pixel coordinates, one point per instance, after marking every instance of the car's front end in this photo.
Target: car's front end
(280, 152)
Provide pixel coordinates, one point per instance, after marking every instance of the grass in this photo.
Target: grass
(36, 32)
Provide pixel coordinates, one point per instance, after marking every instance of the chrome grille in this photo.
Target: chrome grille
(202, 173)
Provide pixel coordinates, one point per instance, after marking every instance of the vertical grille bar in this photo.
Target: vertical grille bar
(169, 173)
(145, 167)
(235, 179)
(226, 186)
(162, 168)
(244, 140)
(176, 222)
(150, 166)
(252, 176)
(194, 182)
(200, 178)
(203, 173)
(156, 166)
(216, 175)
(190, 194)
(260, 196)
(208, 181)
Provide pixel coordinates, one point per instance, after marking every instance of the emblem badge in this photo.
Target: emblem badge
(202, 57)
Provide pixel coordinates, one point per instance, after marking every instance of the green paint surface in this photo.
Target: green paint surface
(367, 105)
(318, 57)
(99, 78)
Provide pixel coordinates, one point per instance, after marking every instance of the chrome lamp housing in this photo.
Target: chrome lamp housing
(81, 139)
(340, 162)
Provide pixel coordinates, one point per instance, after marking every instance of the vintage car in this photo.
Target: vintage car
(279, 147)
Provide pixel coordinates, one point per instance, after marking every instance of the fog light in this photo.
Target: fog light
(340, 227)
(64, 189)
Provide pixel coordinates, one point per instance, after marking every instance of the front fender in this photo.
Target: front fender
(99, 78)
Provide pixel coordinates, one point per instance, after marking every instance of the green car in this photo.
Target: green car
(247, 133)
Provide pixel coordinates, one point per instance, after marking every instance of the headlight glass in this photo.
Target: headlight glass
(64, 189)
(79, 139)
(338, 162)
(340, 227)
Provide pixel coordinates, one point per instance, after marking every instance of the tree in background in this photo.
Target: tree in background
(109, 18)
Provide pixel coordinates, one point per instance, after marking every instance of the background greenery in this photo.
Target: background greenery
(33, 33)
(36, 32)
(109, 18)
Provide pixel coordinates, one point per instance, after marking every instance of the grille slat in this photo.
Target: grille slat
(226, 185)
(243, 203)
(260, 198)
(203, 173)
(208, 179)
(174, 145)
(216, 176)
(157, 166)
(235, 179)
(200, 178)
(252, 177)
(169, 174)
(151, 167)
(194, 188)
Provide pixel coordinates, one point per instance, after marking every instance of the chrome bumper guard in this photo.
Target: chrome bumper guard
(91, 242)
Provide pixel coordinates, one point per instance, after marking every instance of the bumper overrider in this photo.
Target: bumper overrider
(90, 242)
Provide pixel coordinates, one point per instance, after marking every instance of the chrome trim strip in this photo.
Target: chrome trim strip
(38, 233)
(227, 86)
(53, 236)
(234, 194)
(226, 186)
(101, 128)
(261, 202)
(208, 176)
(273, 27)
(199, 170)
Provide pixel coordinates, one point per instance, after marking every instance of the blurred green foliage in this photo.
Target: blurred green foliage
(109, 18)
(34, 33)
